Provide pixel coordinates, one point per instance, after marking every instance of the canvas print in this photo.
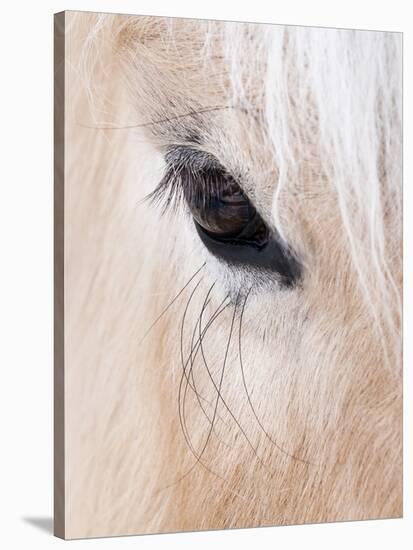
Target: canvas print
(228, 275)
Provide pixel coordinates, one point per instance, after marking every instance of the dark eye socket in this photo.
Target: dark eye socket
(226, 214)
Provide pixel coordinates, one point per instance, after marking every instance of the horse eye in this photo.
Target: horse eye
(226, 214)
(224, 217)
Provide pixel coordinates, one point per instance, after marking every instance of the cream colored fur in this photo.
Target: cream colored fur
(319, 152)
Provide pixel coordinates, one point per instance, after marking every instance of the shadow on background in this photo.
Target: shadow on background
(44, 523)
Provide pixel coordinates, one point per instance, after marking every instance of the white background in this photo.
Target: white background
(26, 271)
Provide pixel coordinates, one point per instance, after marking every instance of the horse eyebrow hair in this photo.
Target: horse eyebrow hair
(159, 121)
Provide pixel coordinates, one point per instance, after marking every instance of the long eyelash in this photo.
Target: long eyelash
(169, 193)
(192, 177)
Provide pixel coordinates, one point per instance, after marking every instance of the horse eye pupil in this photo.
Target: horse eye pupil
(228, 215)
(224, 218)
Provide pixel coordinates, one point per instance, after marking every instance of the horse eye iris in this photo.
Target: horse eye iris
(227, 215)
